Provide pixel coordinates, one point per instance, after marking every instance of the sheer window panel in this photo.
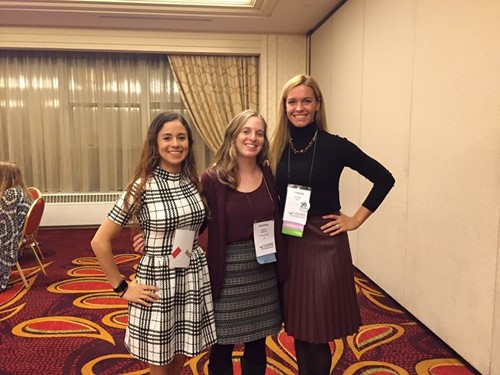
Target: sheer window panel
(75, 122)
(106, 154)
(29, 115)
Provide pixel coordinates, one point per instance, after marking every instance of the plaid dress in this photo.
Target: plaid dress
(182, 320)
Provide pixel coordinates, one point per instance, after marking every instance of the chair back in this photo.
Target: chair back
(33, 218)
(30, 231)
(35, 192)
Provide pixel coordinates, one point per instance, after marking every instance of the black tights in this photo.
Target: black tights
(313, 359)
(221, 355)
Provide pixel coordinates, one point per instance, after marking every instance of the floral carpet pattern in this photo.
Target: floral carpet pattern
(71, 322)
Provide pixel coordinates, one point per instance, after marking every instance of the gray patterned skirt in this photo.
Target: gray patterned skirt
(248, 308)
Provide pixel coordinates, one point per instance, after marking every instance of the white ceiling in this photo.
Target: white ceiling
(263, 16)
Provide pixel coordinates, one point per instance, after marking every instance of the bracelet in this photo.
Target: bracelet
(121, 288)
(122, 293)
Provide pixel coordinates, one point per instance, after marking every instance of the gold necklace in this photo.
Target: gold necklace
(307, 148)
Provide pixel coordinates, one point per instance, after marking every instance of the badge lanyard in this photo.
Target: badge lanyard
(263, 234)
(270, 197)
(297, 203)
(312, 164)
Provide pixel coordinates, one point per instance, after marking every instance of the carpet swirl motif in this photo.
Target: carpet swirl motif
(81, 322)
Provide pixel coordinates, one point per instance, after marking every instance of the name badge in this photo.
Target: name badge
(181, 248)
(296, 207)
(265, 245)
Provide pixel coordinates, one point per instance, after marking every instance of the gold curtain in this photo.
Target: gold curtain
(215, 89)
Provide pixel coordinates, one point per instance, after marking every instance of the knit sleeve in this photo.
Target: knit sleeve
(121, 213)
(371, 169)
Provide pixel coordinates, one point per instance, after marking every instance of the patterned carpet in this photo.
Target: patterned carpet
(70, 322)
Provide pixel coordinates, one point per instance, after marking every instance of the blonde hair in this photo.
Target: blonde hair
(11, 176)
(226, 165)
(282, 134)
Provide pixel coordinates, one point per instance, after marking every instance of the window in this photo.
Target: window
(75, 122)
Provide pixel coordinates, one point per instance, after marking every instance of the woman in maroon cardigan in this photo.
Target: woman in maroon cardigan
(241, 195)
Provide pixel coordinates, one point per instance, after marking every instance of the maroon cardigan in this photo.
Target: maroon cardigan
(215, 193)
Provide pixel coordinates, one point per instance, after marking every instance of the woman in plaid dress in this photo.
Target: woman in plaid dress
(170, 309)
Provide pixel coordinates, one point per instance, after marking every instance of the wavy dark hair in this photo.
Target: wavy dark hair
(150, 159)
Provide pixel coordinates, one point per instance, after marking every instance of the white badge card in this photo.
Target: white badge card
(265, 245)
(296, 208)
(181, 248)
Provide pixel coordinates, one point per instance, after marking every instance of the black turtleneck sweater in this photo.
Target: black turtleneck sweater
(331, 154)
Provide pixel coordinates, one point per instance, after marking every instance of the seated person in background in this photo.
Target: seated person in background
(14, 206)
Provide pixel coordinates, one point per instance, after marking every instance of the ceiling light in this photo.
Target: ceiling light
(209, 3)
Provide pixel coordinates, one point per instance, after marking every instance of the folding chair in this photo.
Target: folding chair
(30, 231)
(21, 273)
(35, 192)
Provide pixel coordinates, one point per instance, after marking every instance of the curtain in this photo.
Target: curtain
(215, 89)
(75, 122)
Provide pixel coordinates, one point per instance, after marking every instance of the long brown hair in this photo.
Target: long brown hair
(282, 134)
(150, 159)
(11, 176)
(226, 164)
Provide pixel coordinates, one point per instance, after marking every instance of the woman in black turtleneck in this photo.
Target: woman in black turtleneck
(320, 303)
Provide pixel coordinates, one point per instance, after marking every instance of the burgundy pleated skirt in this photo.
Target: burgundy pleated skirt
(320, 303)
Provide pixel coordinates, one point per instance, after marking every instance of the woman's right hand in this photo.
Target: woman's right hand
(142, 294)
(138, 243)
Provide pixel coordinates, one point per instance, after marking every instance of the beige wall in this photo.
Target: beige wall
(281, 55)
(284, 57)
(416, 84)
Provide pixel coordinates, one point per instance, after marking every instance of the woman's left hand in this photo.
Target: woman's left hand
(339, 223)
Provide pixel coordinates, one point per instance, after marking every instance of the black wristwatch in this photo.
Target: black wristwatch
(121, 288)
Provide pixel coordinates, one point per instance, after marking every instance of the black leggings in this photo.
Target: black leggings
(221, 355)
(313, 359)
